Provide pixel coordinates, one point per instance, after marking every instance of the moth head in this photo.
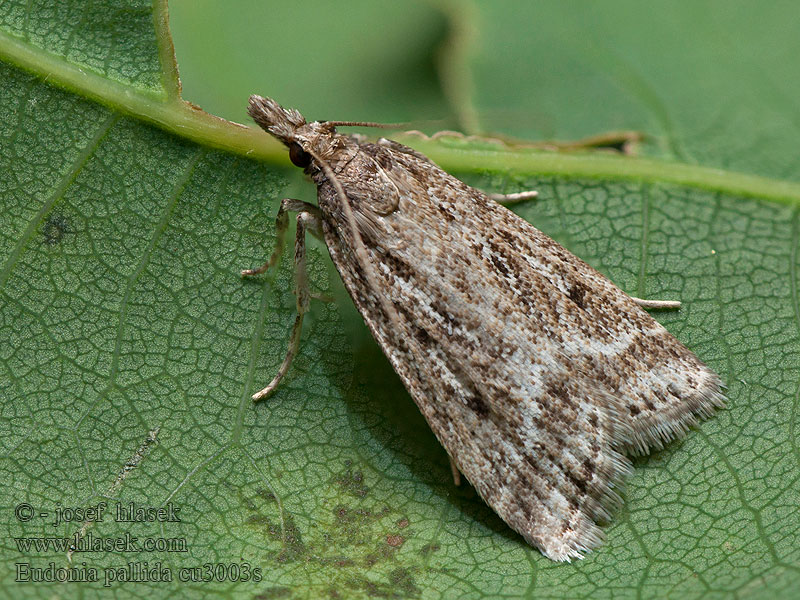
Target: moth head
(281, 122)
(304, 140)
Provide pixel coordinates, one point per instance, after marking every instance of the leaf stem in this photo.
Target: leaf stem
(165, 110)
(600, 165)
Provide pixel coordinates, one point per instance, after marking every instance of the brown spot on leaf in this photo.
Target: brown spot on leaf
(429, 549)
(266, 495)
(404, 583)
(395, 540)
(273, 593)
(287, 533)
(352, 482)
(256, 520)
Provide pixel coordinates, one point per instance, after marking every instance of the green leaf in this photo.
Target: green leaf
(131, 344)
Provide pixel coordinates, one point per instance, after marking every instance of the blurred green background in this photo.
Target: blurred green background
(362, 59)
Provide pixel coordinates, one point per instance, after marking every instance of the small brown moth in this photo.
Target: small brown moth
(534, 371)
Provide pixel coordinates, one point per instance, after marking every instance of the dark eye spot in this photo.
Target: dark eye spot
(298, 156)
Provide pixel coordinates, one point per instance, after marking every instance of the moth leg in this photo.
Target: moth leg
(456, 472)
(281, 225)
(513, 198)
(305, 220)
(657, 304)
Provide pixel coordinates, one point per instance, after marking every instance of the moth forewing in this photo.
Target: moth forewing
(534, 371)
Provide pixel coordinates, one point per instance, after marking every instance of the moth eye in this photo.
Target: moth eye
(298, 156)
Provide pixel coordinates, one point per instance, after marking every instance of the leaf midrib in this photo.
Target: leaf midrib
(167, 111)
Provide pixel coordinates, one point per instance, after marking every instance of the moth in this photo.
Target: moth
(536, 373)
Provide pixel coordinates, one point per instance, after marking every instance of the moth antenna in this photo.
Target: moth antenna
(366, 124)
(360, 248)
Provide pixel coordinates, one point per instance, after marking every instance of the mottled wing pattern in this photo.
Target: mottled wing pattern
(534, 371)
